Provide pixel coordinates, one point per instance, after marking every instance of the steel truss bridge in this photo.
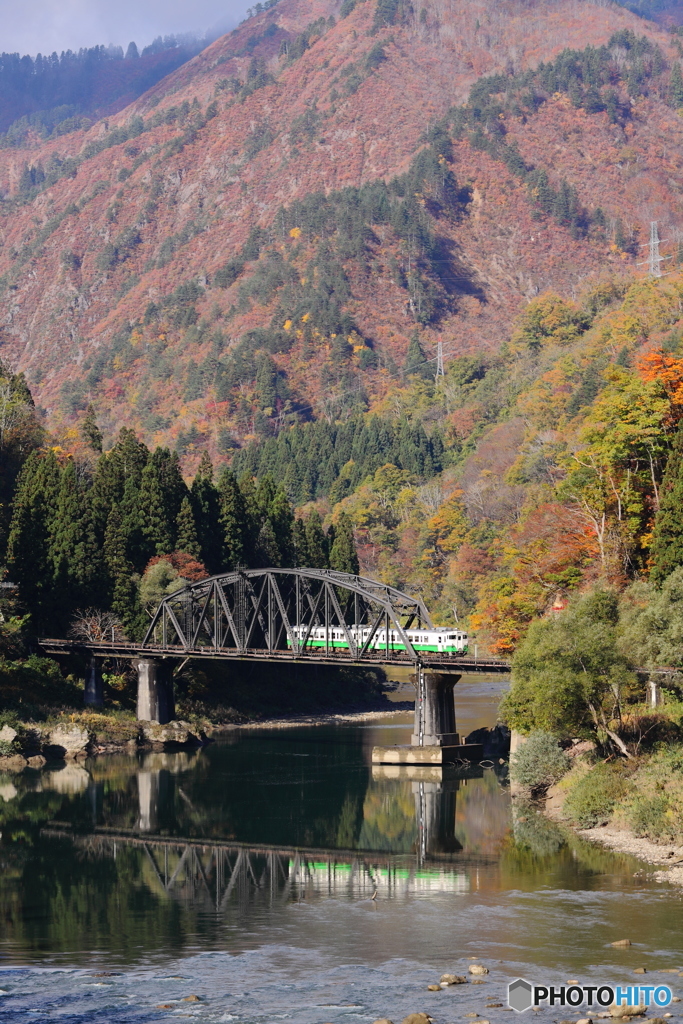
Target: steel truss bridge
(270, 614)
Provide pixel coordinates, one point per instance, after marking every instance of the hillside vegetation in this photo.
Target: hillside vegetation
(312, 188)
(251, 266)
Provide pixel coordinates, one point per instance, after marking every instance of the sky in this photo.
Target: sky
(46, 25)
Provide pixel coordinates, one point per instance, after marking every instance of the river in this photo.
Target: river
(244, 873)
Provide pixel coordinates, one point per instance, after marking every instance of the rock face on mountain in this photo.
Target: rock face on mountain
(178, 266)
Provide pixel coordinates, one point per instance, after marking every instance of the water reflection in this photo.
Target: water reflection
(304, 789)
(152, 853)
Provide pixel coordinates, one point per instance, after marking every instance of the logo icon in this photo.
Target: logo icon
(520, 995)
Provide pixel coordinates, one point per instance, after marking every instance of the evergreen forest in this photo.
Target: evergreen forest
(53, 94)
(90, 534)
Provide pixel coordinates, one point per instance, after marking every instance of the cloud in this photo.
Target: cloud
(47, 25)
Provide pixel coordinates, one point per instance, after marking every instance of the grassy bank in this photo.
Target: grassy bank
(643, 795)
(632, 803)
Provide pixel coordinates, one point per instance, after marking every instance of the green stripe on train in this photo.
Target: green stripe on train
(382, 647)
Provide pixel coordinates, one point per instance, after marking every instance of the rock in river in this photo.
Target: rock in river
(478, 969)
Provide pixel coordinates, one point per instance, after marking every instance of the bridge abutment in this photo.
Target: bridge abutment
(155, 691)
(93, 696)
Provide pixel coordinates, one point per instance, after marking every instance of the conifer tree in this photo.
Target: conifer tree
(130, 453)
(173, 487)
(266, 382)
(20, 434)
(122, 578)
(155, 528)
(316, 542)
(90, 431)
(676, 85)
(416, 363)
(206, 509)
(233, 520)
(28, 553)
(125, 461)
(254, 516)
(343, 556)
(75, 555)
(267, 548)
(266, 490)
(667, 538)
(300, 544)
(186, 530)
(281, 518)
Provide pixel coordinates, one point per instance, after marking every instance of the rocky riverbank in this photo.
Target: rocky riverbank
(78, 736)
(624, 841)
(85, 734)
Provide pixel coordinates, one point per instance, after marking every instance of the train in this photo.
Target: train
(439, 640)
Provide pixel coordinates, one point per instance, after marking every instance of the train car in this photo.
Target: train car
(441, 640)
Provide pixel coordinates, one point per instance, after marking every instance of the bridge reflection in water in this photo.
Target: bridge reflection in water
(409, 831)
(217, 875)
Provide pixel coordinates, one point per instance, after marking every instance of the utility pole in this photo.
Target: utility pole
(439, 359)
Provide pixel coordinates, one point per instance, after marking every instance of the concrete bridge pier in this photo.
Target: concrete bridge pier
(94, 685)
(155, 691)
(434, 741)
(434, 710)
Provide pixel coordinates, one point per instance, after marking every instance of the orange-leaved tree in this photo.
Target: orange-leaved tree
(668, 371)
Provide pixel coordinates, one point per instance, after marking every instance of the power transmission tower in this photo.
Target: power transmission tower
(439, 359)
(654, 259)
(654, 269)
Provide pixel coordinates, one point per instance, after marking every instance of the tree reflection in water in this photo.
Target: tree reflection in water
(125, 854)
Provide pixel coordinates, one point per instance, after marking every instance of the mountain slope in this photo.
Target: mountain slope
(150, 265)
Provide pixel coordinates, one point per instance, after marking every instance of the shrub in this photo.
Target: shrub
(648, 816)
(593, 796)
(656, 807)
(6, 748)
(540, 762)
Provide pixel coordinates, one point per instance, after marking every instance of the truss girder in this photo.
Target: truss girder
(267, 609)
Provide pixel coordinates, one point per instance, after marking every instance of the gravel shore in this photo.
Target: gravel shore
(326, 719)
(644, 849)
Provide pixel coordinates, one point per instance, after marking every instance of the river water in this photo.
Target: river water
(243, 874)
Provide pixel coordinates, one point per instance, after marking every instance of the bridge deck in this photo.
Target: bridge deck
(103, 835)
(435, 662)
